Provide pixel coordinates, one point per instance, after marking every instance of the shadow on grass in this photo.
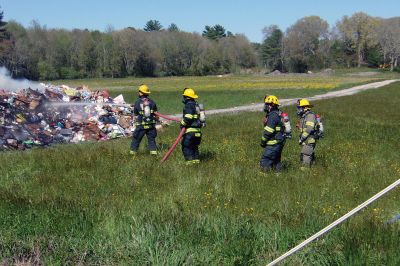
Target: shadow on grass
(207, 155)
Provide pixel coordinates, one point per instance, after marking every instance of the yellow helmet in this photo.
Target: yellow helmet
(303, 103)
(189, 92)
(271, 99)
(144, 89)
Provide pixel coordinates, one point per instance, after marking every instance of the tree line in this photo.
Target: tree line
(355, 41)
(39, 53)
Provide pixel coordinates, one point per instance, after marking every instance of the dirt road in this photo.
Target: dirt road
(285, 102)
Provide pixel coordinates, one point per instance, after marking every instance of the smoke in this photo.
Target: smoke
(8, 83)
(58, 104)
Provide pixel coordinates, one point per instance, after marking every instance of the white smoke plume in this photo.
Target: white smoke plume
(10, 84)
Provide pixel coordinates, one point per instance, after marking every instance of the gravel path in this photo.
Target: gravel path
(285, 102)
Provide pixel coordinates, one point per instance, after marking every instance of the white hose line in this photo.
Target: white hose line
(335, 223)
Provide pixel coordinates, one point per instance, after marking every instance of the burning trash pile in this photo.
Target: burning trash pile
(61, 114)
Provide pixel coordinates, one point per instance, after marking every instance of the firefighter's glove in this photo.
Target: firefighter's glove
(263, 143)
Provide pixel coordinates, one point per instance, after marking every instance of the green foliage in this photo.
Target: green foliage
(3, 29)
(69, 73)
(180, 52)
(152, 25)
(342, 54)
(359, 31)
(297, 65)
(212, 63)
(145, 66)
(2, 26)
(173, 27)
(374, 57)
(121, 53)
(308, 44)
(47, 71)
(93, 204)
(214, 32)
(396, 69)
(5, 44)
(271, 50)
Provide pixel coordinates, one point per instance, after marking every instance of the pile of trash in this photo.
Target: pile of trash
(61, 114)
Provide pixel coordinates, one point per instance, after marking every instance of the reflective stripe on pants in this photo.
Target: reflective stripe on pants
(190, 146)
(307, 155)
(271, 157)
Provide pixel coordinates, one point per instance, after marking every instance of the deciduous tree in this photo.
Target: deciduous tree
(359, 32)
(388, 33)
(303, 41)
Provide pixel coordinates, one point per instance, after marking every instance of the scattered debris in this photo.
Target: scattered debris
(61, 114)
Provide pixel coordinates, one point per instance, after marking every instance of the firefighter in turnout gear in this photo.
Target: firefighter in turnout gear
(308, 131)
(273, 138)
(145, 120)
(192, 123)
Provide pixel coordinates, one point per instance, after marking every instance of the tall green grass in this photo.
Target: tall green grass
(93, 204)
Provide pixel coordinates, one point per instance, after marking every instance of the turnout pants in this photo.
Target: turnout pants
(271, 158)
(139, 133)
(190, 146)
(307, 156)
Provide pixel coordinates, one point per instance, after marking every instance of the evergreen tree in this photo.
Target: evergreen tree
(271, 49)
(3, 30)
(173, 27)
(214, 33)
(153, 25)
(5, 43)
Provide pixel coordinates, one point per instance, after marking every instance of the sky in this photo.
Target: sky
(244, 17)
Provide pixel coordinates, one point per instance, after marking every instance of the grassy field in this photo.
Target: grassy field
(227, 91)
(92, 204)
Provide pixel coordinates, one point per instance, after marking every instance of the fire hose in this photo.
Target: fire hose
(173, 145)
(177, 139)
(129, 106)
(335, 223)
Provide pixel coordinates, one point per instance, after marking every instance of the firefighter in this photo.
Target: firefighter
(273, 138)
(145, 121)
(308, 132)
(192, 124)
